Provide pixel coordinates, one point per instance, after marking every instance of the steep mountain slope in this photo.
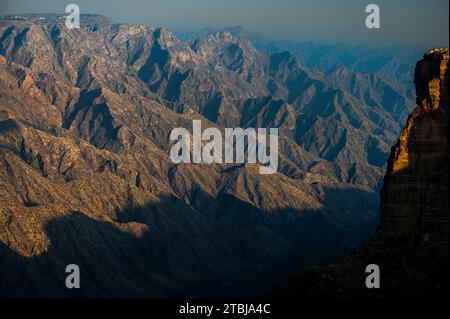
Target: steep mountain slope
(411, 244)
(85, 174)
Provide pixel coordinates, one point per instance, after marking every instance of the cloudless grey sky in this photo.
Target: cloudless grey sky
(424, 22)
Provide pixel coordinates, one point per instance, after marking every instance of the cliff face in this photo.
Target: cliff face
(414, 198)
(411, 244)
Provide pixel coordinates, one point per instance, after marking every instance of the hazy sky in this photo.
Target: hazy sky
(402, 21)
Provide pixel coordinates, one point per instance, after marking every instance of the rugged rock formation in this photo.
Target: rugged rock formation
(414, 198)
(411, 244)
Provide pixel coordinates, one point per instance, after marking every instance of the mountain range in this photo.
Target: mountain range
(86, 178)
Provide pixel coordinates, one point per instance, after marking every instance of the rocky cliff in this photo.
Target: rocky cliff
(411, 244)
(414, 198)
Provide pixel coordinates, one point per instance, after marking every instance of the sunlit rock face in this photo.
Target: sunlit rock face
(414, 202)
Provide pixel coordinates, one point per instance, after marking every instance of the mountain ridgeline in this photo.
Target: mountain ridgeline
(86, 178)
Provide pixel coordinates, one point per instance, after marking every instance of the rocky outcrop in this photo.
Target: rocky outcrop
(411, 244)
(414, 198)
